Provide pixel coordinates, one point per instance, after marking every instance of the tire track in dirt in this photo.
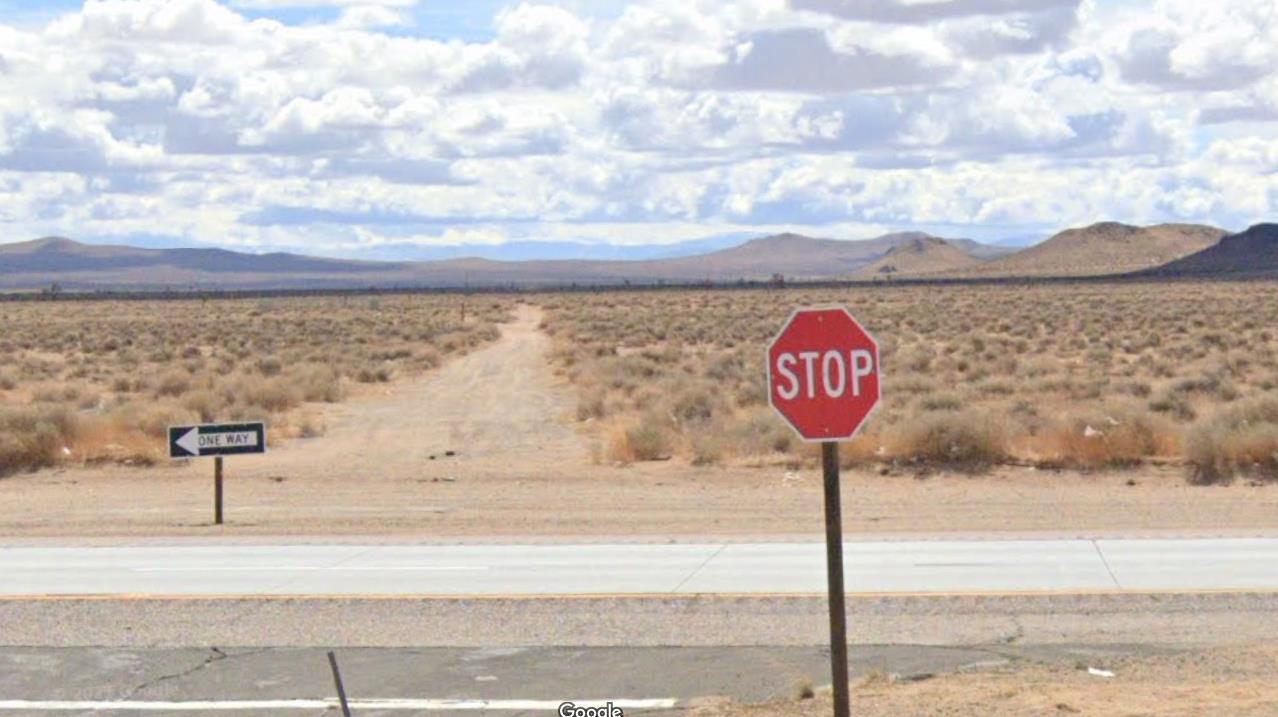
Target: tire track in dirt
(500, 405)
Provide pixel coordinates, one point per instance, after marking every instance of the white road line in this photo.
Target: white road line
(310, 568)
(367, 704)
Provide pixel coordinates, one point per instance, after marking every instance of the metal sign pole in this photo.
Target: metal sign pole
(341, 689)
(217, 490)
(827, 405)
(834, 569)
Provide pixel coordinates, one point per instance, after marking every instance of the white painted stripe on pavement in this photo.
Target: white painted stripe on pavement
(365, 704)
(301, 568)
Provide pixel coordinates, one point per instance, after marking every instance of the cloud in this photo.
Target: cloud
(1018, 34)
(279, 4)
(1202, 46)
(801, 60)
(914, 11)
(228, 123)
(538, 46)
(359, 17)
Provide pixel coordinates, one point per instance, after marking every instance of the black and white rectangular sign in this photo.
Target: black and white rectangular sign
(219, 439)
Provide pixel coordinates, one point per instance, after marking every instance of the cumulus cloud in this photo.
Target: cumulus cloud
(915, 11)
(365, 16)
(1203, 46)
(222, 122)
(801, 60)
(278, 4)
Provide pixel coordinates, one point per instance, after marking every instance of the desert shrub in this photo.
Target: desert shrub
(1242, 440)
(697, 405)
(591, 404)
(89, 400)
(32, 438)
(318, 383)
(944, 401)
(759, 433)
(151, 418)
(206, 404)
(964, 440)
(708, 448)
(1110, 437)
(173, 383)
(1174, 404)
(373, 374)
(270, 365)
(1139, 389)
(66, 393)
(429, 358)
(726, 367)
(750, 393)
(864, 449)
(647, 440)
(275, 395)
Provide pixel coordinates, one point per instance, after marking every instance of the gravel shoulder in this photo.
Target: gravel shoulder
(1224, 681)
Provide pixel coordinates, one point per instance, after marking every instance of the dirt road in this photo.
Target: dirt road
(520, 466)
(498, 410)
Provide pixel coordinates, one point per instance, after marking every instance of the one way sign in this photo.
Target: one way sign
(221, 439)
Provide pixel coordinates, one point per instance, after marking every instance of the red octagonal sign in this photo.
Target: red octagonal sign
(823, 374)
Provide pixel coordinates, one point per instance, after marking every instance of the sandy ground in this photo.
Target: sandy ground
(486, 446)
(1230, 681)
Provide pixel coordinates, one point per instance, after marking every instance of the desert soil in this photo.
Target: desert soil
(486, 445)
(1228, 681)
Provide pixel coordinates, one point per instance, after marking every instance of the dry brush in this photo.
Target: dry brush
(1084, 375)
(94, 381)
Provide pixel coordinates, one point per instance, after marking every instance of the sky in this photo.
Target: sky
(373, 127)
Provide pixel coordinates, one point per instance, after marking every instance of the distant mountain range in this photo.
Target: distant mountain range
(551, 250)
(1100, 249)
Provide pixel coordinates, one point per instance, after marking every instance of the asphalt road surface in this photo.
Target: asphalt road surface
(514, 681)
(199, 629)
(918, 567)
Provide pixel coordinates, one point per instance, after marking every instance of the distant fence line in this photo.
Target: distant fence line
(197, 294)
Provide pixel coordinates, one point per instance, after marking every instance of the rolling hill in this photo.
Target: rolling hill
(919, 257)
(1097, 250)
(1100, 249)
(791, 255)
(982, 251)
(40, 263)
(1251, 253)
(60, 255)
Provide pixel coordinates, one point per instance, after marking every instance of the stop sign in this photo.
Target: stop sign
(823, 374)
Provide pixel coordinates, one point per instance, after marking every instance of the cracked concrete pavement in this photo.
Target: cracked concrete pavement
(747, 648)
(214, 654)
(746, 673)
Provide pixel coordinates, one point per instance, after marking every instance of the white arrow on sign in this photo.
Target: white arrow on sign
(190, 442)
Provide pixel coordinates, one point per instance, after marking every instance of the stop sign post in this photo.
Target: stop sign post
(824, 379)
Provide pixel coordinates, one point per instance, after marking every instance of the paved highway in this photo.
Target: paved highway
(794, 568)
